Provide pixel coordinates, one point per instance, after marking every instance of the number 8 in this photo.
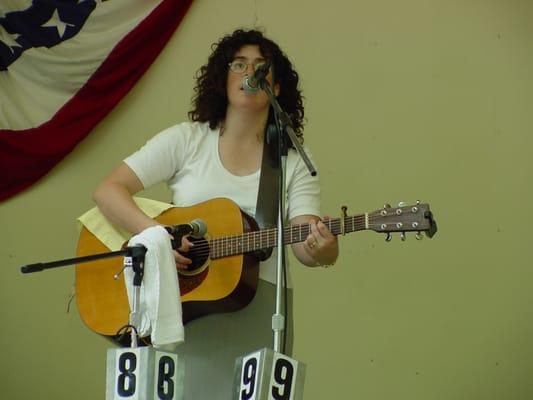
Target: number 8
(165, 376)
(127, 363)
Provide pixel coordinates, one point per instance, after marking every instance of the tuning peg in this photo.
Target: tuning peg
(344, 210)
(419, 236)
(344, 215)
(402, 236)
(386, 205)
(389, 237)
(401, 204)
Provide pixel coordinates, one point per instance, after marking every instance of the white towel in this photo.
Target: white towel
(160, 305)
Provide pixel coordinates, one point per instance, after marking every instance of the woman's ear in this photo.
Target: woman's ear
(276, 89)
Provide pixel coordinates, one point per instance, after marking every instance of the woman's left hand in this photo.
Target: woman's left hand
(321, 244)
(320, 247)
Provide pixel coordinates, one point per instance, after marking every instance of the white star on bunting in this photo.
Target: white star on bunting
(56, 22)
(9, 39)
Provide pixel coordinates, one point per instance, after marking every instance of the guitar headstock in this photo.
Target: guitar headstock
(404, 218)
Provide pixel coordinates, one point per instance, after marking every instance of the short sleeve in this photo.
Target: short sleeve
(303, 190)
(161, 157)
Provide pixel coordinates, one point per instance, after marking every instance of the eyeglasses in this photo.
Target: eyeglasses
(240, 66)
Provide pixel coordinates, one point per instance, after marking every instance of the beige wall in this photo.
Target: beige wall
(418, 99)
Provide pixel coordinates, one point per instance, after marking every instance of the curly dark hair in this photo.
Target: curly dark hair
(210, 99)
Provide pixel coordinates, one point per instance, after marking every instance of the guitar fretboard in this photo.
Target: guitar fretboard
(226, 246)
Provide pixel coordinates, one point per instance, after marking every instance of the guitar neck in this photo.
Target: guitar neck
(226, 246)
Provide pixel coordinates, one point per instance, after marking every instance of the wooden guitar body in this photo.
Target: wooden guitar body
(227, 284)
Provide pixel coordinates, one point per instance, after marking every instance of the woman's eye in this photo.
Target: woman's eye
(239, 65)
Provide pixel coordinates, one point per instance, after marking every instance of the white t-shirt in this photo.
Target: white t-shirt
(186, 157)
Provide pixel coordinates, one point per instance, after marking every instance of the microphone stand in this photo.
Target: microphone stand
(283, 124)
(134, 258)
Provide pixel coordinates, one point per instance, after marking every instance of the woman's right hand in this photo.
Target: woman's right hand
(183, 262)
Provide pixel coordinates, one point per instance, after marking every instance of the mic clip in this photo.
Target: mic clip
(177, 232)
(255, 82)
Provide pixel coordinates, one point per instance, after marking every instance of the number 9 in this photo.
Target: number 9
(284, 381)
(248, 379)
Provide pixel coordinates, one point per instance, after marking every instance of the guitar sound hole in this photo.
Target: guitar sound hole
(198, 254)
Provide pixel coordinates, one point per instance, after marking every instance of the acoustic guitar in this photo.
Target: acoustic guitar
(224, 273)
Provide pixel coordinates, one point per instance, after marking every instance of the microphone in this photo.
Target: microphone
(252, 83)
(196, 228)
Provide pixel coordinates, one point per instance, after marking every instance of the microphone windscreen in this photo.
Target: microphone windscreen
(248, 85)
(199, 228)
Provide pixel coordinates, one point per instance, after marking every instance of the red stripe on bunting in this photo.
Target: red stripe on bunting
(27, 155)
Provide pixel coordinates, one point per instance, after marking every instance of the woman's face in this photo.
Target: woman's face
(237, 97)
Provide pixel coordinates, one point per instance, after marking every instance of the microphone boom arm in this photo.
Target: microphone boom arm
(286, 125)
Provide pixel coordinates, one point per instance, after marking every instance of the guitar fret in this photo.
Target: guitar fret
(225, 246)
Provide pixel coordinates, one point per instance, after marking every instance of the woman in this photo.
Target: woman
(219, 154)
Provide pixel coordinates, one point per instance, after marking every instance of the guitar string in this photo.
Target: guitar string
(245, 240)
(241, 243)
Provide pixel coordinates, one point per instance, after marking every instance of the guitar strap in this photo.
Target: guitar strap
(266, 210)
